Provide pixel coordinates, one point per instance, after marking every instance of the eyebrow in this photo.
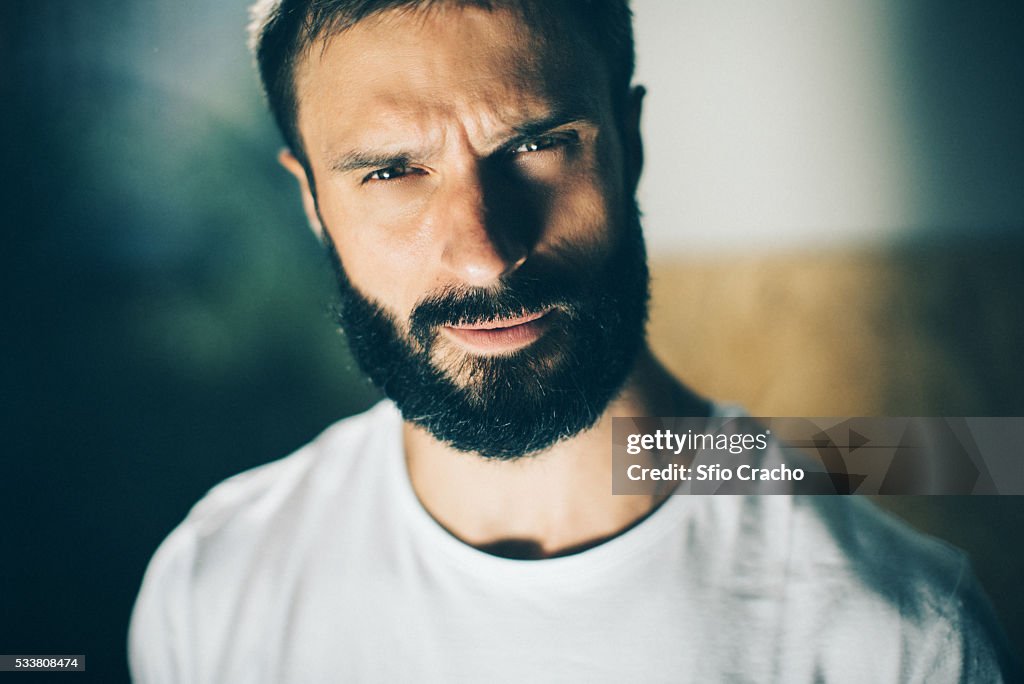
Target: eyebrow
(354, 161)
(524, 132)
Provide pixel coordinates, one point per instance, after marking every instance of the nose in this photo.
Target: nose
(480, 246)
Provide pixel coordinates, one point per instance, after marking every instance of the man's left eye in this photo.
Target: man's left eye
(538, 144)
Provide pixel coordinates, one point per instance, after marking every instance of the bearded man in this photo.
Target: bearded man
(471, 168)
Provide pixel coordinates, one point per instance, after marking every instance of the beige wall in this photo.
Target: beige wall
(927, 330)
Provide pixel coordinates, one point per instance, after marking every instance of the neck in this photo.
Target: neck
(556, 502)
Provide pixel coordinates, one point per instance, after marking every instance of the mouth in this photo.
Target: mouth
(500, 335)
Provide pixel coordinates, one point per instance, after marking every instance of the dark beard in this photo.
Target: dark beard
(505, 407)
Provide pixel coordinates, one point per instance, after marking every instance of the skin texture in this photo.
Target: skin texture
(448, 147)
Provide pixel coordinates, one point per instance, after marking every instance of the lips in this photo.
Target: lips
(500, 335)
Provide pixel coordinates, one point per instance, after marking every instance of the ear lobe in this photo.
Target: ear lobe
(632, 139)
(291, 163)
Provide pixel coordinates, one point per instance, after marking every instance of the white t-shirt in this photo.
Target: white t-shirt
(324, 567)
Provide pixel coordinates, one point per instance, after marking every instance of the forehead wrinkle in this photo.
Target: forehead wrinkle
(413, 129)
(412, 139)
(406, 101)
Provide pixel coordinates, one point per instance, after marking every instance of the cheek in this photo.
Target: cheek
(582, 214)
(384, 247)
(589, 207)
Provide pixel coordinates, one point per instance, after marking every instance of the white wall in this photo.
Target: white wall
(800, 123)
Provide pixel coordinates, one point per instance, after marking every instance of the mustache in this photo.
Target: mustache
(522, 294)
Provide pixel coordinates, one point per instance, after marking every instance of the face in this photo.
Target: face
(472, 182)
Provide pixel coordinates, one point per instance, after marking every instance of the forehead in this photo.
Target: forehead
(418, 69)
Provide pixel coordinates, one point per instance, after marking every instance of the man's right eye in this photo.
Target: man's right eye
(388, 173)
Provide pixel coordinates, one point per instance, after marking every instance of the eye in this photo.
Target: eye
(552, 141)
(538, 144)
(391, 173)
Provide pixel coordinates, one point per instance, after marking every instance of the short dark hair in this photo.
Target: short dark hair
(281, 31)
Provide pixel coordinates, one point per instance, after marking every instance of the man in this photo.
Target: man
(471, 168)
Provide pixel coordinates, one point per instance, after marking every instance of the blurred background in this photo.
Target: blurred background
(834, 205)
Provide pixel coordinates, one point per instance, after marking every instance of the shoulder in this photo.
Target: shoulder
(847, 556)
(828, 539)
(854, 536)
(338, 456)
(247, 522)
(879, 581)
(333, 461)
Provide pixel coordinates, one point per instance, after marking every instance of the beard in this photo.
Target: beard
(517, 404)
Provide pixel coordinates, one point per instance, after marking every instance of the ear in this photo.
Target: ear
(632, 141)
(290, 162)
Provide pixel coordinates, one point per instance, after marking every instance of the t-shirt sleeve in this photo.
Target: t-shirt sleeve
(969, 647)
(159, 635)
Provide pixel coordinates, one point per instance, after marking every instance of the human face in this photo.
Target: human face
(473, 183)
